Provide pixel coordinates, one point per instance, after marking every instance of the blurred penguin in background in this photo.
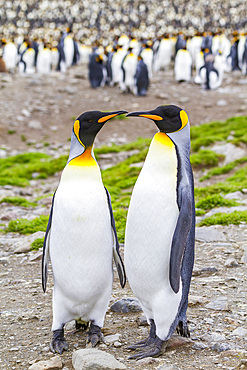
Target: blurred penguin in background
(27, 60)
(163, 56)
(141, 78)
(117, 58)
(10, 55)
(147, 55)
(234, 51)
(128, 66)
(44, 59)
(97, 71)
(244, 58)
(210, 77)
(183, 65)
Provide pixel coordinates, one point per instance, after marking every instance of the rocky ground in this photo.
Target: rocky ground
(36, 113)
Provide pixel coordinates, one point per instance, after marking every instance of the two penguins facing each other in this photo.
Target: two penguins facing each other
(81, 237)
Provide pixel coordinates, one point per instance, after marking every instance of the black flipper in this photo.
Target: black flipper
(180, 236)
(116, 254)
(45, 258)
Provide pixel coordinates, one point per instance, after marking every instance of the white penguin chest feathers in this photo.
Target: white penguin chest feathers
(153, 212)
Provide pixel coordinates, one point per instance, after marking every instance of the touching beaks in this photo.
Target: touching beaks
(109, 115)
(149, 115)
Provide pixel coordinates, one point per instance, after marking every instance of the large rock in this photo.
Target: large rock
(231, 151)
(24, 244)
(55, 363)
(220, 304)
(94, 359)
(209, 234)
(125, 305)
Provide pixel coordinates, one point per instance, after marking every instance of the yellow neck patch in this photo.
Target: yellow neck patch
(163, 139)
(85, 159)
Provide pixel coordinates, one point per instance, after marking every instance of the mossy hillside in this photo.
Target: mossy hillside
(205, 158)
(234, 218)
(18, 201)
(236, 182)
(232, 130)
(37, 244)
(24, 226)
(18, 170)
(120, 179)
(215, 200)
(216, 171)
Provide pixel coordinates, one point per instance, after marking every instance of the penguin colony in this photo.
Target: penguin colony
(81, 238)
(130, 63)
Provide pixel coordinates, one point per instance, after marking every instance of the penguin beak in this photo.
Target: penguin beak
(108, 115)
(147, 114)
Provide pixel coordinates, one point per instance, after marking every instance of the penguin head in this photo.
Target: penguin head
(88, 124)
(168, 118)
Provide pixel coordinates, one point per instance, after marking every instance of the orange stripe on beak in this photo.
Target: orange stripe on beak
(151, 116)
(103, 119)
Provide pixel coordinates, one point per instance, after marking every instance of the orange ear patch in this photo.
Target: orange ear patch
(184, 119)
(76, 131)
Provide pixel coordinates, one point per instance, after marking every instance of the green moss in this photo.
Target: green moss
(18, 170)
(200, 212)
(18, 201)
(24, 226)
(37, 244)
(234, 218)
(215, 200)
(11, 132)
(205, 158)
(209, 133)
(23, 138)
(224, 169)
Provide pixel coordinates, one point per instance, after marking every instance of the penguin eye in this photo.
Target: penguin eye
(90, 120)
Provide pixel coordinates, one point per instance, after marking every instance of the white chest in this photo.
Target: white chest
(153, 210)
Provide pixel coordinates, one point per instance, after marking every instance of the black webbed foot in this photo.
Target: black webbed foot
(58, 343)
(152, 350)
(183, 329)
(150, 347)
(94, 335)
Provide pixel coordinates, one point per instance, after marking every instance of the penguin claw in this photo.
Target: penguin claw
(152, 348)
(183, 329)
(152, 351)
(137, 345)
(94, 335)
(58, 343)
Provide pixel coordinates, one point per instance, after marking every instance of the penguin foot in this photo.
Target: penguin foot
(148, 341)
(94, 335)
(58, 343)
(152, 350)
(79, 325)
(140, 344)
(183, 329)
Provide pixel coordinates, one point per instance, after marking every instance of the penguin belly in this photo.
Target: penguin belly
(151, 222)
(81, 245)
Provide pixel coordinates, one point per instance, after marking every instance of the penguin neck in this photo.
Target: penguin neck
(161, 150)
(161, 159)
(161, 139)
(85, 159)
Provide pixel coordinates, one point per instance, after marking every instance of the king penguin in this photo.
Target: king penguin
(81, 238)
(160, 230)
